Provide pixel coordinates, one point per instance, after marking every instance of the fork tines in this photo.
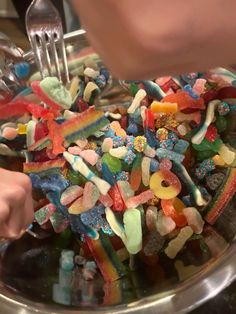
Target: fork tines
(44, 29)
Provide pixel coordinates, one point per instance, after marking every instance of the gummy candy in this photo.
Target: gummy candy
(175, 245)
(163, 107)
(173, 208)
(185, 102)
(113, 163)
(106, 259)
(194, 219)
(135, 177)
(173, 187)
(136, 173)
(222, 197)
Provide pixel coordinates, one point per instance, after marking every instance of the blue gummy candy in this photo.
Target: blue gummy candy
(154, 165)
(109, 133)
(81, 89)
(107, 175)
(65, 273)
(61, 295)
(54, 198)
(165, 153)
(152, 89)
(77, 226)
(22, 70)
(93, 217)
(151, 138)
(181, 146)
(132, 129)
(136, 116)
(118, 141)
(105, 73)
(187, 200)
(101, 81)
(167, 144)
(190, 91)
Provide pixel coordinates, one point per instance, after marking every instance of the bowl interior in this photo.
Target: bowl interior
(30, 268)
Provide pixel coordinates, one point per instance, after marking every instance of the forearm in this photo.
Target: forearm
(148, 38)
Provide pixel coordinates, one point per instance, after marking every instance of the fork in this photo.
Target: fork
(44, 29)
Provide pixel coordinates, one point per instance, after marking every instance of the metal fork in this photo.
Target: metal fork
(44, 29)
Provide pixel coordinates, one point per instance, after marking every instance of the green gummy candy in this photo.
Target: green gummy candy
(206, 145)
(113, 163)
(201, 155)
(134, 89)
(125, 189)
(56, 92)
(133, 230)
(221, 124)
(75, 177)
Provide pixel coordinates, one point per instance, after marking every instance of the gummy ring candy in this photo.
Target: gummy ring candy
(165, 184)
(173, 208)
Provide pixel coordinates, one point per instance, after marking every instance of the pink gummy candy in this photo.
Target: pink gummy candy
(90, 156)
(107, 144)
(82, 143)
(199, 86)
(75, 150)
(142, 198)
(9, 133)
(106, 200)
(90, 196)
(71, 194)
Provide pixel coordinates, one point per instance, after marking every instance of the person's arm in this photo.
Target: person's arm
(143, 39)
(16, 204)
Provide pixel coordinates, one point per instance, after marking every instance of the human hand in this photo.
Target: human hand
(140, 39)
(16, 204)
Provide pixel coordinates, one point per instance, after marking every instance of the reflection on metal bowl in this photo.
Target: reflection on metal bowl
(31, 280)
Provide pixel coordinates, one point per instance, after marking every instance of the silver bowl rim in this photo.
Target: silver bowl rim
(186, 296)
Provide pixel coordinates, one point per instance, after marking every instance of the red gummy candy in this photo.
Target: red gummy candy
(5, 97)
(40, 112)
(149, 119)
(170, 85)
(13, 109)
(185, 102)
(82, 105)
(57, 139)
(211, 133)
(41, 155)
(38, 91)
(124, 122)
(41, 130)
(210, 95)
(118, 203)
(227, 92)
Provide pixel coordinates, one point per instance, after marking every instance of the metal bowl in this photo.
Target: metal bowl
(29, 267)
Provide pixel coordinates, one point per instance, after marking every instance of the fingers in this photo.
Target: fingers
(16, 204)
(15, 222)
(28, 211)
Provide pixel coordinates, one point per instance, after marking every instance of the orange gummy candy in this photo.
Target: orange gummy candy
(185, 102)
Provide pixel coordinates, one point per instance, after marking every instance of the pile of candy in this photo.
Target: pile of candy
(141, 178)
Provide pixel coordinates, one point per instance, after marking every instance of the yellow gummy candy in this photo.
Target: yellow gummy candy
(165, 192)
(21, 128)
(163, 107)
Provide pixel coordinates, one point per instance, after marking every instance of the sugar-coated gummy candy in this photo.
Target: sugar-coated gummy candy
(113, 163)
(154, 243)
(164, 224)
(194, 219)
(173, 187)
(214, 180)
(175, 245)
(133, 230)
